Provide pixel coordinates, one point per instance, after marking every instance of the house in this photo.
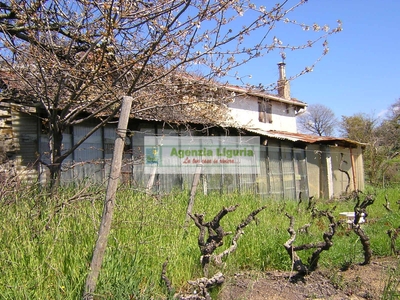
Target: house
(324, 167)
(289, 163)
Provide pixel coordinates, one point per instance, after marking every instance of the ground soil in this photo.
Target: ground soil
(356, 282)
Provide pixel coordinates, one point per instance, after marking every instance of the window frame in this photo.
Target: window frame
(264, 111)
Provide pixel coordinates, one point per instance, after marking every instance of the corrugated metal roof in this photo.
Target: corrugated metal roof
(305, 138)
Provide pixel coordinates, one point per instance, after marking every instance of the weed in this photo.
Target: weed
(46, 242)
(391, 290)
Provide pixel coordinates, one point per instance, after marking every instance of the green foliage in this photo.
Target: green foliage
(46, 243)
(359, 127)
(392, 285)
(382, 144)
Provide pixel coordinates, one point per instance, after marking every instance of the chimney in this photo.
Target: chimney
(283, 83)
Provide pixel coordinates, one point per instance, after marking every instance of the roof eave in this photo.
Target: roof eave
(267, 96)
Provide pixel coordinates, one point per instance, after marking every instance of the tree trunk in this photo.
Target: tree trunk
(109, 203)
(56, 138)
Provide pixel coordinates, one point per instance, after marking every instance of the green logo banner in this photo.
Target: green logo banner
(216, 155)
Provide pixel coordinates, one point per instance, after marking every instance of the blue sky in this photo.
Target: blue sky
(361, 73)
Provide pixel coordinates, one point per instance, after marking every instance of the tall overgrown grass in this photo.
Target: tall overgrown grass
(47, 241)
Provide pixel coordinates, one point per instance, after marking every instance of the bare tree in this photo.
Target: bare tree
(76, 59)
(318, 119)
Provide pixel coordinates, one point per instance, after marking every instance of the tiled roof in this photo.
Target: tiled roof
(262, 94)
(161, 110)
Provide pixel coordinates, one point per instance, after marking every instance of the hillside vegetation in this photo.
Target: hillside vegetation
(47, 242)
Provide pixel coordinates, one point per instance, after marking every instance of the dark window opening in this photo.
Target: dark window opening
(287, 108)
(265, 111)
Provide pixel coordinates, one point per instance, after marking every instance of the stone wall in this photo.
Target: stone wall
(13, 142)
(8, 143)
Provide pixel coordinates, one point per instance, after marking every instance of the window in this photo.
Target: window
(265, 111)
(287, 109)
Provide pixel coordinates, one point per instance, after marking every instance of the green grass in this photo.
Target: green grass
(46, 247)
(392, 284)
